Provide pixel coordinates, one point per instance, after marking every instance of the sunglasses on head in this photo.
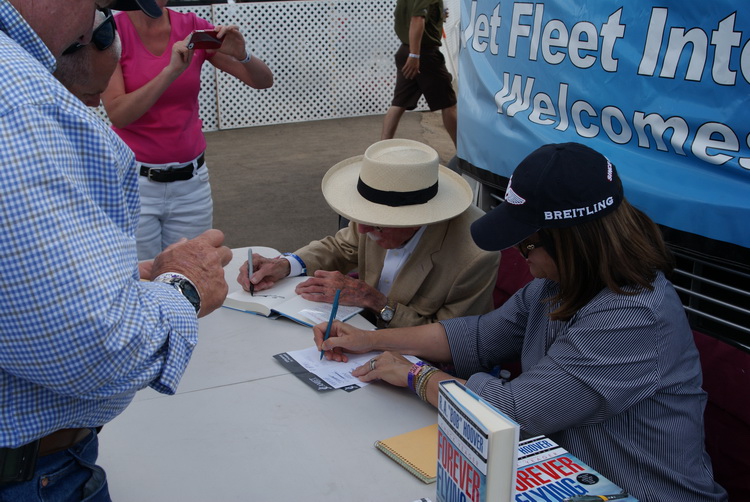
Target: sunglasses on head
(102, 37)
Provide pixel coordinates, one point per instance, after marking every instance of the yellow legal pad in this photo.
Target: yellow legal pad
(415, 451)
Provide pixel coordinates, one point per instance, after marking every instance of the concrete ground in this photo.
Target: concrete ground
(266, 180)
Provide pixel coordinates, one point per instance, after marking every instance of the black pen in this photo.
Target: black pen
(250, 270)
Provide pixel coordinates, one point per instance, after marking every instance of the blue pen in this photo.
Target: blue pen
(331, 319)
(250, 270)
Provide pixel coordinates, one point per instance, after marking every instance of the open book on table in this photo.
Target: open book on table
(281, 300)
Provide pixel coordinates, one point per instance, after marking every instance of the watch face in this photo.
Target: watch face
(387, 313)
(183, 286)
(190, 293)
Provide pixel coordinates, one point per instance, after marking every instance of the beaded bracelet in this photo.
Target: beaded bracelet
(419, 379)
(423, 384)
(422, 379)
(414, 371)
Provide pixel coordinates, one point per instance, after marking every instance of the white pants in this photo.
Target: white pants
(171, 211)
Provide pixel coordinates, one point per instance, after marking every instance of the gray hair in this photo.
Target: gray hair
(77, 67)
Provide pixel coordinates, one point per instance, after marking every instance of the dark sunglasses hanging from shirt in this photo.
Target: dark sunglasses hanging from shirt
(102, 37)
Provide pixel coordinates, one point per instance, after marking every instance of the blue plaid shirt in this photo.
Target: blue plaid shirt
(79, 333)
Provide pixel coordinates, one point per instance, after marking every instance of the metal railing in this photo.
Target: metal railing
(715, 297)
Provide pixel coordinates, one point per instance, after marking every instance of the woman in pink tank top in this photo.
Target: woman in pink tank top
(152, 101)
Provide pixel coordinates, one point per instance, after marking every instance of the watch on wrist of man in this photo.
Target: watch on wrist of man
(184, 286)
(387, 312)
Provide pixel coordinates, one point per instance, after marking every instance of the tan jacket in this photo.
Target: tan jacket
(446, 276)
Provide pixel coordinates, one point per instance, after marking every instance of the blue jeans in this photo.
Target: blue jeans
(64, 477)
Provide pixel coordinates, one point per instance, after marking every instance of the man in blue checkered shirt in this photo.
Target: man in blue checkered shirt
(80, 333)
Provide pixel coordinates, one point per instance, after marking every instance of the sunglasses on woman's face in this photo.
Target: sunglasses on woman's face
(102, 37)
(526, 247)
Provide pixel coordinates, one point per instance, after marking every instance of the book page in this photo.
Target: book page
(312, 313)
(262, 302)
(282, 299)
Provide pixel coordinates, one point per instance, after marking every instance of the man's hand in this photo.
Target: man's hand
(266, 272)
(323, 285)
(411, 68)
(202, 261)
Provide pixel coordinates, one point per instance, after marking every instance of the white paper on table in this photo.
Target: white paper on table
(334, 373)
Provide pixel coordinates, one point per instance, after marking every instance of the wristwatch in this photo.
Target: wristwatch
(184, 286)
(386, 314)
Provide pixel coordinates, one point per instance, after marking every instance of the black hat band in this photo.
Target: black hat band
(396, 199)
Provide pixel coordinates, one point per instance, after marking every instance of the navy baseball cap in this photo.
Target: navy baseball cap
(149, 7)
(557, 185)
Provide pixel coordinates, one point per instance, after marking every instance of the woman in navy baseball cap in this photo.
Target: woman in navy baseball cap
(610, 370)
(567, 200)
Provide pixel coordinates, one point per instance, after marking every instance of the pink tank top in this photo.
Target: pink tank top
(170, 131)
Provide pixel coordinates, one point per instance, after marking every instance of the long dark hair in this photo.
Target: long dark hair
(622, 249)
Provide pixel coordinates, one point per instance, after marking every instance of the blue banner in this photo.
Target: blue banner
(661, 88)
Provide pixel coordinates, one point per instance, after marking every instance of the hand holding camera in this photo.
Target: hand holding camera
(225, 39)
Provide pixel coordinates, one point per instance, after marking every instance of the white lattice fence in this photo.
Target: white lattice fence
(292, 38)
(330, 59)
(363, 43)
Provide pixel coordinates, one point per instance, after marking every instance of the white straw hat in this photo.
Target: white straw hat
(396, 183)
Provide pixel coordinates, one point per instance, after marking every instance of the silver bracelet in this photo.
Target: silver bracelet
(184, 286)
(415, 56)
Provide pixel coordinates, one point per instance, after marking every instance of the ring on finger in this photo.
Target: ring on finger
(372, 364)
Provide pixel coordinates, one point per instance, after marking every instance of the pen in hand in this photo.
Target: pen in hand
(250, 270)
(331, 319)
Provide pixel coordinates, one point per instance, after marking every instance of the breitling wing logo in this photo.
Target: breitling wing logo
(512, 197)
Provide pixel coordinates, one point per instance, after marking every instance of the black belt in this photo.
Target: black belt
(18, 464)
(177, 173)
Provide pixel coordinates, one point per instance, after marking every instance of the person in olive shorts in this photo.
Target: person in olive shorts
(421, 65)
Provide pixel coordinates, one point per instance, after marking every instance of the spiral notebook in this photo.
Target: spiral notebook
(415, 451)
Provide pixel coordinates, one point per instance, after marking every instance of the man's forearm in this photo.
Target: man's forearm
(416, 30)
